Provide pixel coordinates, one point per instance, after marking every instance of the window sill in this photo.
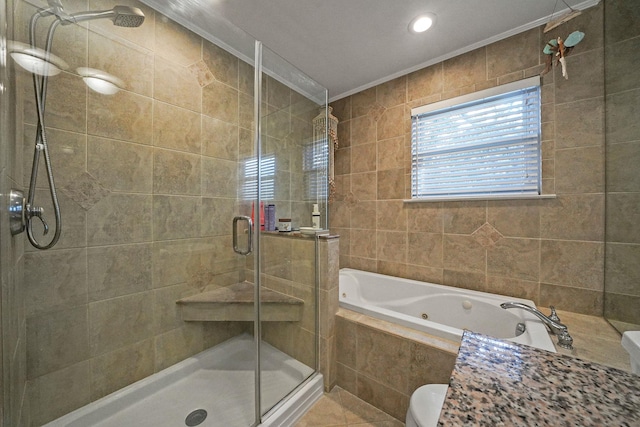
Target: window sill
(480, 198)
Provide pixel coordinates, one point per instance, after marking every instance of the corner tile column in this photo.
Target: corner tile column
(329, 255)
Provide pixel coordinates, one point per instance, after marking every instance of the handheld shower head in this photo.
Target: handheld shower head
(126, 16)
(122, 16)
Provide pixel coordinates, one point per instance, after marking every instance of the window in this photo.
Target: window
(250, 178)
(482, 145)
(314, 164)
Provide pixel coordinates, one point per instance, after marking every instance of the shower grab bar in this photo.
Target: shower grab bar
(249, 249)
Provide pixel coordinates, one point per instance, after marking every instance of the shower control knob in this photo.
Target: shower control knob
(37, 211)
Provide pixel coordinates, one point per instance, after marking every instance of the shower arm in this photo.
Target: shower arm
(40, 89)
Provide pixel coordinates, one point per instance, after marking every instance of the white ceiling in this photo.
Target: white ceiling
(350, 45)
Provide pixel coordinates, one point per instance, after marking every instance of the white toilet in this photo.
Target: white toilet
(631, 343)
(425, 405)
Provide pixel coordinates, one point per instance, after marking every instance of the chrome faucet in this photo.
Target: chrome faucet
(552, 321)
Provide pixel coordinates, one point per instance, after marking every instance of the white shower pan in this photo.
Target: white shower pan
(219, 381)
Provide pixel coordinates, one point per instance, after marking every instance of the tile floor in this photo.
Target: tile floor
(340, 408)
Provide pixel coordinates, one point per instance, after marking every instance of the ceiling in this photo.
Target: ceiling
(348, 46)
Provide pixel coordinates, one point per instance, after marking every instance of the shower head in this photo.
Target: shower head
(122, 16)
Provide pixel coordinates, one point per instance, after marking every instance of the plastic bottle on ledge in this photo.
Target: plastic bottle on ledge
(315, 217)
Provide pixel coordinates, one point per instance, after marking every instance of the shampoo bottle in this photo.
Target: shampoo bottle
(315, 217)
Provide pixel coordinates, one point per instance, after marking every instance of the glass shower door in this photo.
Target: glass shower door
(288, 283)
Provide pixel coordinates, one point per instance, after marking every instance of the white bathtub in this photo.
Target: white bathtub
(439, 310)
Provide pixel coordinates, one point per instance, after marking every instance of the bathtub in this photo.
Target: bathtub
(438, 310)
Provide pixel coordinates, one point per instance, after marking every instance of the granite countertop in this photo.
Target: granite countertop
(499, 383)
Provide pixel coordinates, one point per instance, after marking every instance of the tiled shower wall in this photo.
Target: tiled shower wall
(550, 251)
(147, 181)
(622, 54)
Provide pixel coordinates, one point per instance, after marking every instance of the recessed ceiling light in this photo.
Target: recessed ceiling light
(422, 23)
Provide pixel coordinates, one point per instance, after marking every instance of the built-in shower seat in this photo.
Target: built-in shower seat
(236, 303)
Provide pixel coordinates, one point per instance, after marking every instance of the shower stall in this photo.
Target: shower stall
(157, 290)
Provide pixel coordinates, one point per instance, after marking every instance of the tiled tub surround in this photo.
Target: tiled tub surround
(549, 251)
(382, 363)
(148, 183)
(373, 354)
(499, 383)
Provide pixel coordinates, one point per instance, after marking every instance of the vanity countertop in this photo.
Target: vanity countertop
(499, 383)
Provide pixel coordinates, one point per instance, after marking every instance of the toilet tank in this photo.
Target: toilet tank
(631, 343)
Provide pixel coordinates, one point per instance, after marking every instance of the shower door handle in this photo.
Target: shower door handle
(249, 235)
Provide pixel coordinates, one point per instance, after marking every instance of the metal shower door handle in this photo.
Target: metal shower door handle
(249, 235)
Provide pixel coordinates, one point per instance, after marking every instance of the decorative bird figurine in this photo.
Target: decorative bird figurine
(560, 48)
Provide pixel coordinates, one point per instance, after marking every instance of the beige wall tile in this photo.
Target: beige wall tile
(620, 20)
(391, 153)
(571, 299)
(120, 166)
(363, 244)
(389, 94)
(515, 218)
(391, 123)
(118, 322)
(580, 170)
(365, 185)
(621, 161)
(55, 280)
(465, 70)
(220, 102)
(219, 139)
(46, 402)
(573, 217)
(56, 340)
(125, 61)
(175, 84)
(124, 116)
(363, 215)
(425, 249)
(513, 257)
(585, 128)
(623, 215)
(362, 102)
(586, 77)
(391, 184)
(622, 125)
(391, 215)
(222, 64)
(363, 131)
(382, 397)
(514, 287)
(464, 217)
(575, 264)
(177, 345)
(425, 82)
(392, 246)
(363, 158)
(175, 43)
(383, 357)
(118, 270)
(526, 53)
(120, 218)
(114, 370)
(463, 253)
(219, 178)
(429, 365)
(622, 274)
(177, 128)
(176, 173)
(176, 217)
(622, 307)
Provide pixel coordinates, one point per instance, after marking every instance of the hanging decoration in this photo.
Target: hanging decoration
(560, 49)
(553, 23)
(320, 130)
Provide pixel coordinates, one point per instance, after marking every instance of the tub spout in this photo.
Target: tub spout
(552, 321)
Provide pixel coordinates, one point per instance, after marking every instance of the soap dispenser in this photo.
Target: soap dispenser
(315, 217)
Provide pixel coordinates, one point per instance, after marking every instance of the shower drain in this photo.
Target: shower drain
(196, 417)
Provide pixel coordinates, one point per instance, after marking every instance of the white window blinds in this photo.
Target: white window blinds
(314, 165)
(249, 187)
(482, 144)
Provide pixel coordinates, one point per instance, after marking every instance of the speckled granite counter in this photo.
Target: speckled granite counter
(498, 383)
